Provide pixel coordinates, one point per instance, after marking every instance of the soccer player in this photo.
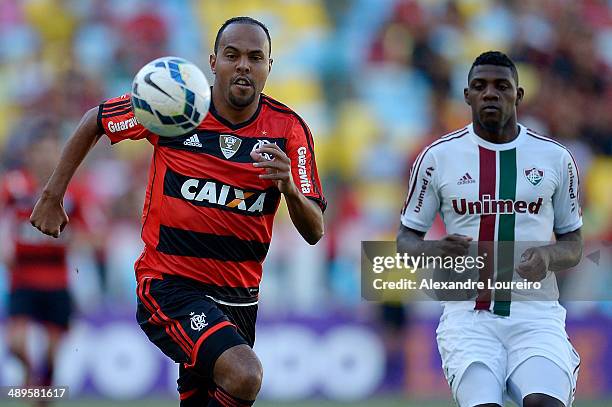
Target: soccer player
(208, 213)
(38, 270)
(496, 180)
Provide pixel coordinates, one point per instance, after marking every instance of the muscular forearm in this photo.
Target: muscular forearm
(306, 215)
(84, 138)
(566, 252)
(408, 241)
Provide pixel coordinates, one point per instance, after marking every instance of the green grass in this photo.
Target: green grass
(380, 402)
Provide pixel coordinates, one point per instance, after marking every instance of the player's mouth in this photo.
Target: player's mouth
(491, 109)
(243, 83)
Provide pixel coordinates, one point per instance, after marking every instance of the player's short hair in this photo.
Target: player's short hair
(242, 20)
(494, 58)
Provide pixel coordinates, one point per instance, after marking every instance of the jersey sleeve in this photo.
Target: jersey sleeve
(423, 202)
(116, 119)
(566, 198)
(300, 150)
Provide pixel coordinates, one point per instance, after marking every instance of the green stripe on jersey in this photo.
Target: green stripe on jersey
(505, 230)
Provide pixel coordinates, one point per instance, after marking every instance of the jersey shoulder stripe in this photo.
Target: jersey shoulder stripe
(107, 105)
(116, 105)
(547, 139)
(422, 153)
(275, 102)
(115, 114)
(417, 166)
(115, 109)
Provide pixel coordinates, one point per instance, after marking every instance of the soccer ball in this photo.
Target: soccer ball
(170, 96)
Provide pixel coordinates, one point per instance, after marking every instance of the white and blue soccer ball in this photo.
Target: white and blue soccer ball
(170, 96)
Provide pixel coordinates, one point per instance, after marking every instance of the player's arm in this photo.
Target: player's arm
(567, 252)
(419, 212)
(562, 255)
(48, 215)
(306, 215)
(412, 242)
(114, 118)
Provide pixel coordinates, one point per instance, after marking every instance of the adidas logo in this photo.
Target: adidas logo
(193, 141)
(466, 179)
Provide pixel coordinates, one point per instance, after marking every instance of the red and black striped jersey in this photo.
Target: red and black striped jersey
(36, 261)
(207, 215)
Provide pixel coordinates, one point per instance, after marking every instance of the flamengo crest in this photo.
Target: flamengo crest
(198, 322)
(229, 144)
(534, 175)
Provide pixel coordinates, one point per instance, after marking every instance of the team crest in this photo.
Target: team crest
(198, 322)
(229, 144)
(260, 144)
(534, 175)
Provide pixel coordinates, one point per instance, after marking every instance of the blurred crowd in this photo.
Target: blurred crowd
(375, 79)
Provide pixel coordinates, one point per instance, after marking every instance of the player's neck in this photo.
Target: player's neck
(230, 113)
(501, 135)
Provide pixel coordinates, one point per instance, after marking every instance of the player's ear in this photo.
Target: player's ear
(270, 65)
(213, 63)
(520, 93)
(465, 96)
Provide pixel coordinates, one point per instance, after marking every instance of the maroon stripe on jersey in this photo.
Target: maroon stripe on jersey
(181, 214)
(420, 161)
(486, 233)
(180, 242)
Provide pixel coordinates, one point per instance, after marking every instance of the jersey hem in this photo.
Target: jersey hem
(567, 229)
(411, 225)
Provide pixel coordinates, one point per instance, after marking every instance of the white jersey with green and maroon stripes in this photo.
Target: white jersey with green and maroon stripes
(524, 190)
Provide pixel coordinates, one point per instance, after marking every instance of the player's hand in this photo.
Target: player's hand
(278, 168)
(49, 216)
(454, 245)
(534, 264)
